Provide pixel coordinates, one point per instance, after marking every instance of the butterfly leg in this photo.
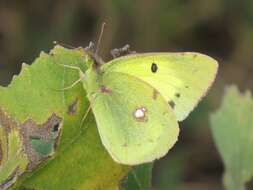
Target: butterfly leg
(94, 96)
(85, 115)
(121, 51)
(71, 67)
(82, 76)
(73, 84)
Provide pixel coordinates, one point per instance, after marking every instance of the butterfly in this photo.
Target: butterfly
(138, 100)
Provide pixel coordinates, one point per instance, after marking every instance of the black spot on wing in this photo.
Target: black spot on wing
(172, 104)
(177, 95)
(154, 67)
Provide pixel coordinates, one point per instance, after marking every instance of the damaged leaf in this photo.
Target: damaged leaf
(14, 161)
(50, 148)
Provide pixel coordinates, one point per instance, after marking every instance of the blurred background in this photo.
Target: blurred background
(222, 29)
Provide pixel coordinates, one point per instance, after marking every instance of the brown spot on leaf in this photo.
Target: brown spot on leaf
(50, 130)
(10, 180)
(56, 127)
(6, 122)
(73, 107)
(7, 125)
(29, 129)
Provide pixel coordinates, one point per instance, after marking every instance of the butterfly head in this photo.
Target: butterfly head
(93, 50)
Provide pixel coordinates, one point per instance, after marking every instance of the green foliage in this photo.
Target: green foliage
(171, 172)
(47, 121)
(139, 178)
(232, 127)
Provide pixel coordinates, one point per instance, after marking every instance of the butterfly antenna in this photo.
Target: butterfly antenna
(100, 37)
(64, 45)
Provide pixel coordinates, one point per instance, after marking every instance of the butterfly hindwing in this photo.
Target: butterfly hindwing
(135, 123)
(181, 78)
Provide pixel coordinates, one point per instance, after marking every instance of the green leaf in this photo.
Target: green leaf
(57, 152)
(139, 178)
(232, 127)
(171, 172)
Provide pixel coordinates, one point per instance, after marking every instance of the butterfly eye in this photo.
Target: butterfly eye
(154, 68)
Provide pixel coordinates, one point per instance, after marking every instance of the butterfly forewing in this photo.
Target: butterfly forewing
(181, 78)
